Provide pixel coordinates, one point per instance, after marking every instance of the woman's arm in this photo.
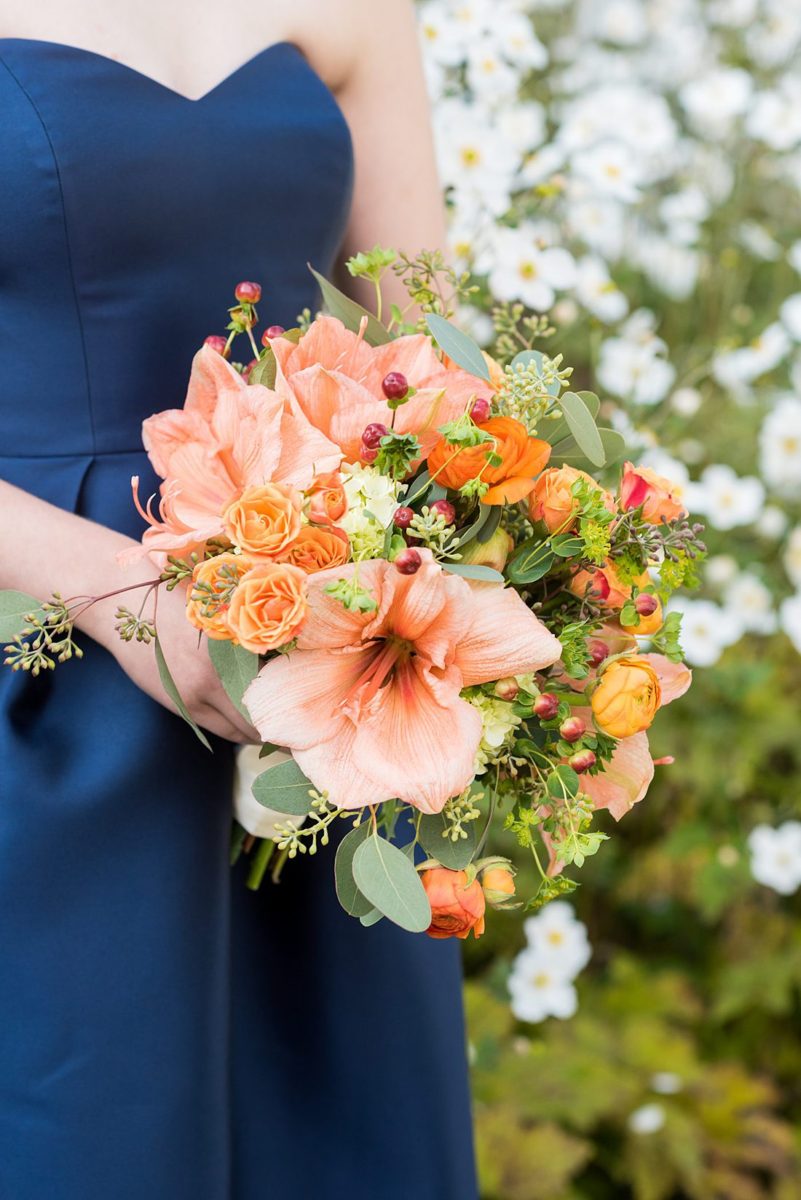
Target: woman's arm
(44, 549)
(397, 197)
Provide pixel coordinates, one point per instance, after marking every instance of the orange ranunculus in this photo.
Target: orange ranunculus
(317, 547)
(627, 698)
(209, 593)
(264, 520)
(601, 584)
(268, 606)
(327, 500)
(457, 907)
(498, 884)
(656, 494)
(552, 501)
(523, 457)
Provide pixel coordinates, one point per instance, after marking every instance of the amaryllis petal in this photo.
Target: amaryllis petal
(337, 405)
(625, 779)
(409, 603)
(295, 699)
(419, 741)
(329, 623)
(335, 768)
(503, 638)
(674, 678)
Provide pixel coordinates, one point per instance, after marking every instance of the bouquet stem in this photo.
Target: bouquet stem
(260, 863)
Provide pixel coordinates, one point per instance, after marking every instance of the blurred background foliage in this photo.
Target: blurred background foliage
(680, 1074)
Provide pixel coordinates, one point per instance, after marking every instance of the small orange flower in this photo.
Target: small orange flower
(656, 494)
(626, 700)
(522, 459)
(208, 595)
(264, 519)
(498, 884)
(317, 548)
(268, 606)
(457, 907)
(552, 501)
(328, 503)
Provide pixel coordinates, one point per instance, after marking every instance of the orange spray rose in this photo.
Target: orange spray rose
(522, 459)
(327, 500)
(656, 494)
(208, 595)
(457, 907)
(264, 519)
(268, 606)
(316, 548)
(627, 698)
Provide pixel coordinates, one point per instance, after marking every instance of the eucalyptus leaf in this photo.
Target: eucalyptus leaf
(171, 688)
(569, 453)
(349, 312)
(454, 855)
(566, 546)
(474, 571)
(491, 524)
(458, 346)
(14, 608)
(371, 918)
(555, 431)
(583, 428)
(533, 560)
(236, 667)
(473, 529)
(348, 894)
(284, 788)
(386, 877)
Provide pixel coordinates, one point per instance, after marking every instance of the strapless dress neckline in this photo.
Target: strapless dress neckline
(280, 47)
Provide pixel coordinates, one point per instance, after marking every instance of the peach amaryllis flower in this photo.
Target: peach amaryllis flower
(229, 434)
(369, 702)
(336, 377)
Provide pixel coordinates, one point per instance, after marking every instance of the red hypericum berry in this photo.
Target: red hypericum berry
(218, 343)
(373, 434)
(444, 508)
(582, 760)
(409, 561)
(545, 706)
(507, 689)
(395, 385)
(480, 410)
(403, 516)
(247, 292)
(572, 729)
(274, 331)
(597, 651)
(368, 454)
(646, 604)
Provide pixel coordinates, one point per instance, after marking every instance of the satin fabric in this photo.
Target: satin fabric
(164, 1033)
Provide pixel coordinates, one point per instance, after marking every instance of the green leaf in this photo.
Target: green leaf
(458, 346)
(284, 788)
(474, 571)
(349, 312)
(14, 608)
(581, 423)
(236, 667)
(348, 894)
(454, 855)
(533, 560)
(474, 528)
(566, 546)
(563, 782)
(568, 452)
(371, 918)
(170, 687)
(264, 371)
(490, 526)
(558, 431)
(267, 748)
(386, 877)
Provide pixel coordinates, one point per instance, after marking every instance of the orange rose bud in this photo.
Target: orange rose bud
(498, 884)
(552, 501)
(209, 593)
(268, 607)
(656, 494)
(457, 906)
(627, 698)
(327, 500)
(522, 458)
(264, 520)
(316, 548)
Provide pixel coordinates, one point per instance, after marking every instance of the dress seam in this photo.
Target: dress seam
(67, 244)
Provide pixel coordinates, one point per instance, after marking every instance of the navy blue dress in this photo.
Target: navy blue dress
(164, 1033)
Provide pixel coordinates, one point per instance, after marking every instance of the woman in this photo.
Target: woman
(164, 1032)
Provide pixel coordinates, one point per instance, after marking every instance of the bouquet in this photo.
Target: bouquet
(424, 581)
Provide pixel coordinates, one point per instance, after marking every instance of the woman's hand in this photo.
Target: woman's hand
(44, 549)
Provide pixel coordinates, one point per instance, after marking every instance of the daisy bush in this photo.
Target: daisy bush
(629, 172)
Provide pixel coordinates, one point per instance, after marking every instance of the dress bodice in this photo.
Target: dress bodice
(127, 214)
